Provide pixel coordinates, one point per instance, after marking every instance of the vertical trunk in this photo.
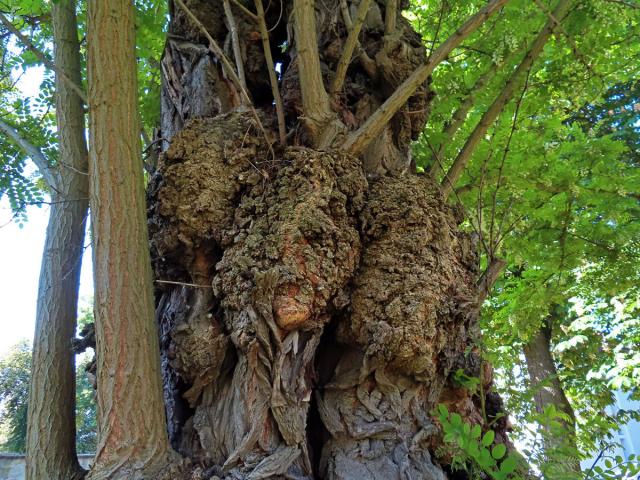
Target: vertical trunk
(311, 306)
(132, 438)
(548, 392)
(51, 451)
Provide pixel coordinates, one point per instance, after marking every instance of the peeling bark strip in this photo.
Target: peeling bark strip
(342, 295)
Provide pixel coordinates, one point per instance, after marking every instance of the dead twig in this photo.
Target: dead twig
(349, 47)
(217, 51)
(235, 42)
(273, 79)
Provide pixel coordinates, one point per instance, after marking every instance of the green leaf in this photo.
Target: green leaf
(498, 451)
(488, 437)
(456, 420)
(509, 464)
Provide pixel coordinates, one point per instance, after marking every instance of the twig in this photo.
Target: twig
(438, 26)
(367, 64)
(625, 4)
(503, 161)
(273, 79)
(169, 282)
(376, 123)
(476, 230)
(43, 58)
(235, 43)
(569, 38)
(246, 11)
(217, 51)
(349, 46)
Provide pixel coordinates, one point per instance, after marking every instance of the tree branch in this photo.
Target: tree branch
(349, 46)
(574, 46)
(315, 100)
(488, 278)
(43, 58)
(32, 152)
(217, 51)
(360, 139)
(235, 42)
(390, 12)
(246, 11)
(501, 100)
(460, 115)
(273, 79)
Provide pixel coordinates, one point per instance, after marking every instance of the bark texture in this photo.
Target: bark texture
(132, 439)
(51, 450)
(312, 305)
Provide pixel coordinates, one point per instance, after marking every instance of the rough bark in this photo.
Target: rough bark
(132, 438)
(51, 451)
(546, 384)
(313, 306)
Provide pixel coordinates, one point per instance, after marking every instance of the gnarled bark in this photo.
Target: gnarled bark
(313, 306)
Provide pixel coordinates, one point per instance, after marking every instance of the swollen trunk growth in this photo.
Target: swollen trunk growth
(314, 296)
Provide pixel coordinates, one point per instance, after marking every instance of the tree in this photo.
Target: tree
(51, 416)
(132, 440)
(317, 296)
(314, 297)
(51, 423)
(14, 385)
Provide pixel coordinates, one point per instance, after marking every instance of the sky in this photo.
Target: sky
(20, 256)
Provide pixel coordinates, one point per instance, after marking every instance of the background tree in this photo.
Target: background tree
(15, 370)
(14, 385)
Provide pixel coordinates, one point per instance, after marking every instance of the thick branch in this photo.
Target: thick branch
(315, 100)
(32, 152)
(349, 46)
(501, 100)
(235, 42)
(43, 58)
(273, 79)
(360, 139)
(390, 13)
(488, 278)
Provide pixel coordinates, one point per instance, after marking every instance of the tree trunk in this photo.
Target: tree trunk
(543, 376)
(312, 306)
(51, 439)
(132, 438)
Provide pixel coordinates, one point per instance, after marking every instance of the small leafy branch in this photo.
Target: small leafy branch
(473, 450)
(614, 468)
